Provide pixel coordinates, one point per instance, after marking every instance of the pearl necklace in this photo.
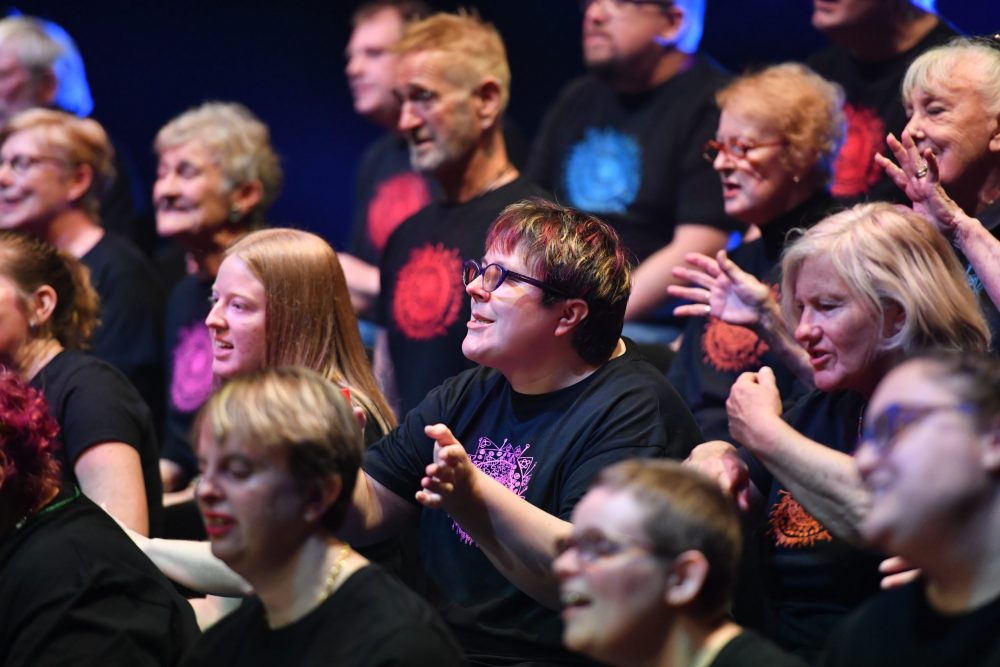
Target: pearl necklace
(330, 583)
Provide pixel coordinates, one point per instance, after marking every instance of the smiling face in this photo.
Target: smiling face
(237, 320)
(190, 193)
(612, 587)
(250, 503)
(32, 200)
(371, 65)
(837, 330)
(510, 329)
(950, 118)
(757, 187)
(931, 472)
(438, 115)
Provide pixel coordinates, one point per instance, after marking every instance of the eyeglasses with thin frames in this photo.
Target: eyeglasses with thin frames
(593, 545)
(22, 164)
(734, 148)
(494, 274)
(883, 431)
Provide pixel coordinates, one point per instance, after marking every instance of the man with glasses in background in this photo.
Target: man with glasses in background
(508, 448)
(647, 575)
(453, 85)
(624, 142)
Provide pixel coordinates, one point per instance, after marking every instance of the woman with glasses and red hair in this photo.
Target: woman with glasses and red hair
(778, 135)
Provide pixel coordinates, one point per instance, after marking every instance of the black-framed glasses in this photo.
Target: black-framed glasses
(22, 164)
(734, 148)
(883, 431)
(494, 275)
(618, 5)
(593, 545)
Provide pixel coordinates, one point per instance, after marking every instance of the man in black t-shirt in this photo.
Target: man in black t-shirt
(930, 458)
(873, 42)
(558, 396)
(625, 141)
(453, 82)
(646, 576)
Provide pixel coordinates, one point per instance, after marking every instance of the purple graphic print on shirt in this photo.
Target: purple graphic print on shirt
(506, 464)
(191, 382)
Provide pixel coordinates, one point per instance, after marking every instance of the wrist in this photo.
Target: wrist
(965, 230)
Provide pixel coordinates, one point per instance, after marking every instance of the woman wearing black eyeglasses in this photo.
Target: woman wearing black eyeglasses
(778, 134)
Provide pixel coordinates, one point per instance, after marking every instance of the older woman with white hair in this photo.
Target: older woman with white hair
(216, 178)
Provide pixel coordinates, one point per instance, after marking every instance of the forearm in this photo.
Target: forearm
(651, 278)
(517, 537)
(375, 514)
(192, 564)
(824, 481)
(384, 370)
(362, 281)
(982, 250)
(773, 329)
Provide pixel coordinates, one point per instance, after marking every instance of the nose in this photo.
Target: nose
(206, 491)
(594, 12)
(215, 319)
(914, 125)
(165, 185)
(806, 330)
(353, 66)
(723, 161)
(566, 565)
(866, 458)
(475, 289)
(6, 173)
(408, 118)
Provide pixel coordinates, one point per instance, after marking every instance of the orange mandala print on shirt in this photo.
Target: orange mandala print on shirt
(792, 526)
(855, 169)
(395, 200)
(429, 292)
(730, 347)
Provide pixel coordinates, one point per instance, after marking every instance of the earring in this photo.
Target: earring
(235, 214)
(796, 178)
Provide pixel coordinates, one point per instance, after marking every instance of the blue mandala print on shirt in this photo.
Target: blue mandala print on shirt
(506, 464)
(603, 171)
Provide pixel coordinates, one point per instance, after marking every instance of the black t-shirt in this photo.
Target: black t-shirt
(94, 403)
(810, 577)
(74, 590)
(388, 192)
(372, 620)
(131, 315)
(899, 627)
(713, 353)
(544, 448)
(423, 304)
(635, 160)
(748, 649)
(188, 352)
(873, 107)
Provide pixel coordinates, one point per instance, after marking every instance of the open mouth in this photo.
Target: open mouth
(478, 319)
(572, 600)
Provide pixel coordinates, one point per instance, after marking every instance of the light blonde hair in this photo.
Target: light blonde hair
(295, 410)
(34, 49)
(474, 48)
(78, 141)
(938, 64)
(798, 104)
(889, 254)
(238, 142)
(309, 318)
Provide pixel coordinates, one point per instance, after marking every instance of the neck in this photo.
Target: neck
(207, 250)
(34, 355)
(304, 581)
(664, 66)
(963, 569)
(877, 40)
(486, 168)
(555, 370)
(74, 232)
(694, 643)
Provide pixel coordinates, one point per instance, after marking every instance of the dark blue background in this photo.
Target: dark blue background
(148, 61)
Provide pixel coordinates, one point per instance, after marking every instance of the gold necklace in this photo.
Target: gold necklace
(331, 577)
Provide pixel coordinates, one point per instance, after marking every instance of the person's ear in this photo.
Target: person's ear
(321, 497)
(45, 88)
(80, 179)
(895, 318)
(686, 578)
(245, 197)
(490, 105)
(572, 313)
(991, 453)
(671, 30)
(41, 305)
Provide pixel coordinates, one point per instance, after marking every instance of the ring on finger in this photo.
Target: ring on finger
(922, 171)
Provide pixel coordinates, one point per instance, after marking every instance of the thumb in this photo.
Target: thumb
(765, 376)
(441, 434)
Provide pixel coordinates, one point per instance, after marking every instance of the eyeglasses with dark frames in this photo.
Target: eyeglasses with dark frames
(734, 148)
(494, 274)
(883, 431)
(22, 164)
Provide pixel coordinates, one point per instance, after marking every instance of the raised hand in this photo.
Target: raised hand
(723, 290)
(451, 473)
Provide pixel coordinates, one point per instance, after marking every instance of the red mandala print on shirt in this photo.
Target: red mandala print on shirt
(792, 526)
(429, 292)
(730, 347)
(395, 200)
(855, 169)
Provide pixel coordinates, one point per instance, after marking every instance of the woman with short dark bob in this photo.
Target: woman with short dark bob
(280, 451)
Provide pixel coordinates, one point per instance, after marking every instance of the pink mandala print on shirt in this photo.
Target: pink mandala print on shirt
(429, 292)
(855, 169)
(506, 464)
(191, 382)
(395, 200)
